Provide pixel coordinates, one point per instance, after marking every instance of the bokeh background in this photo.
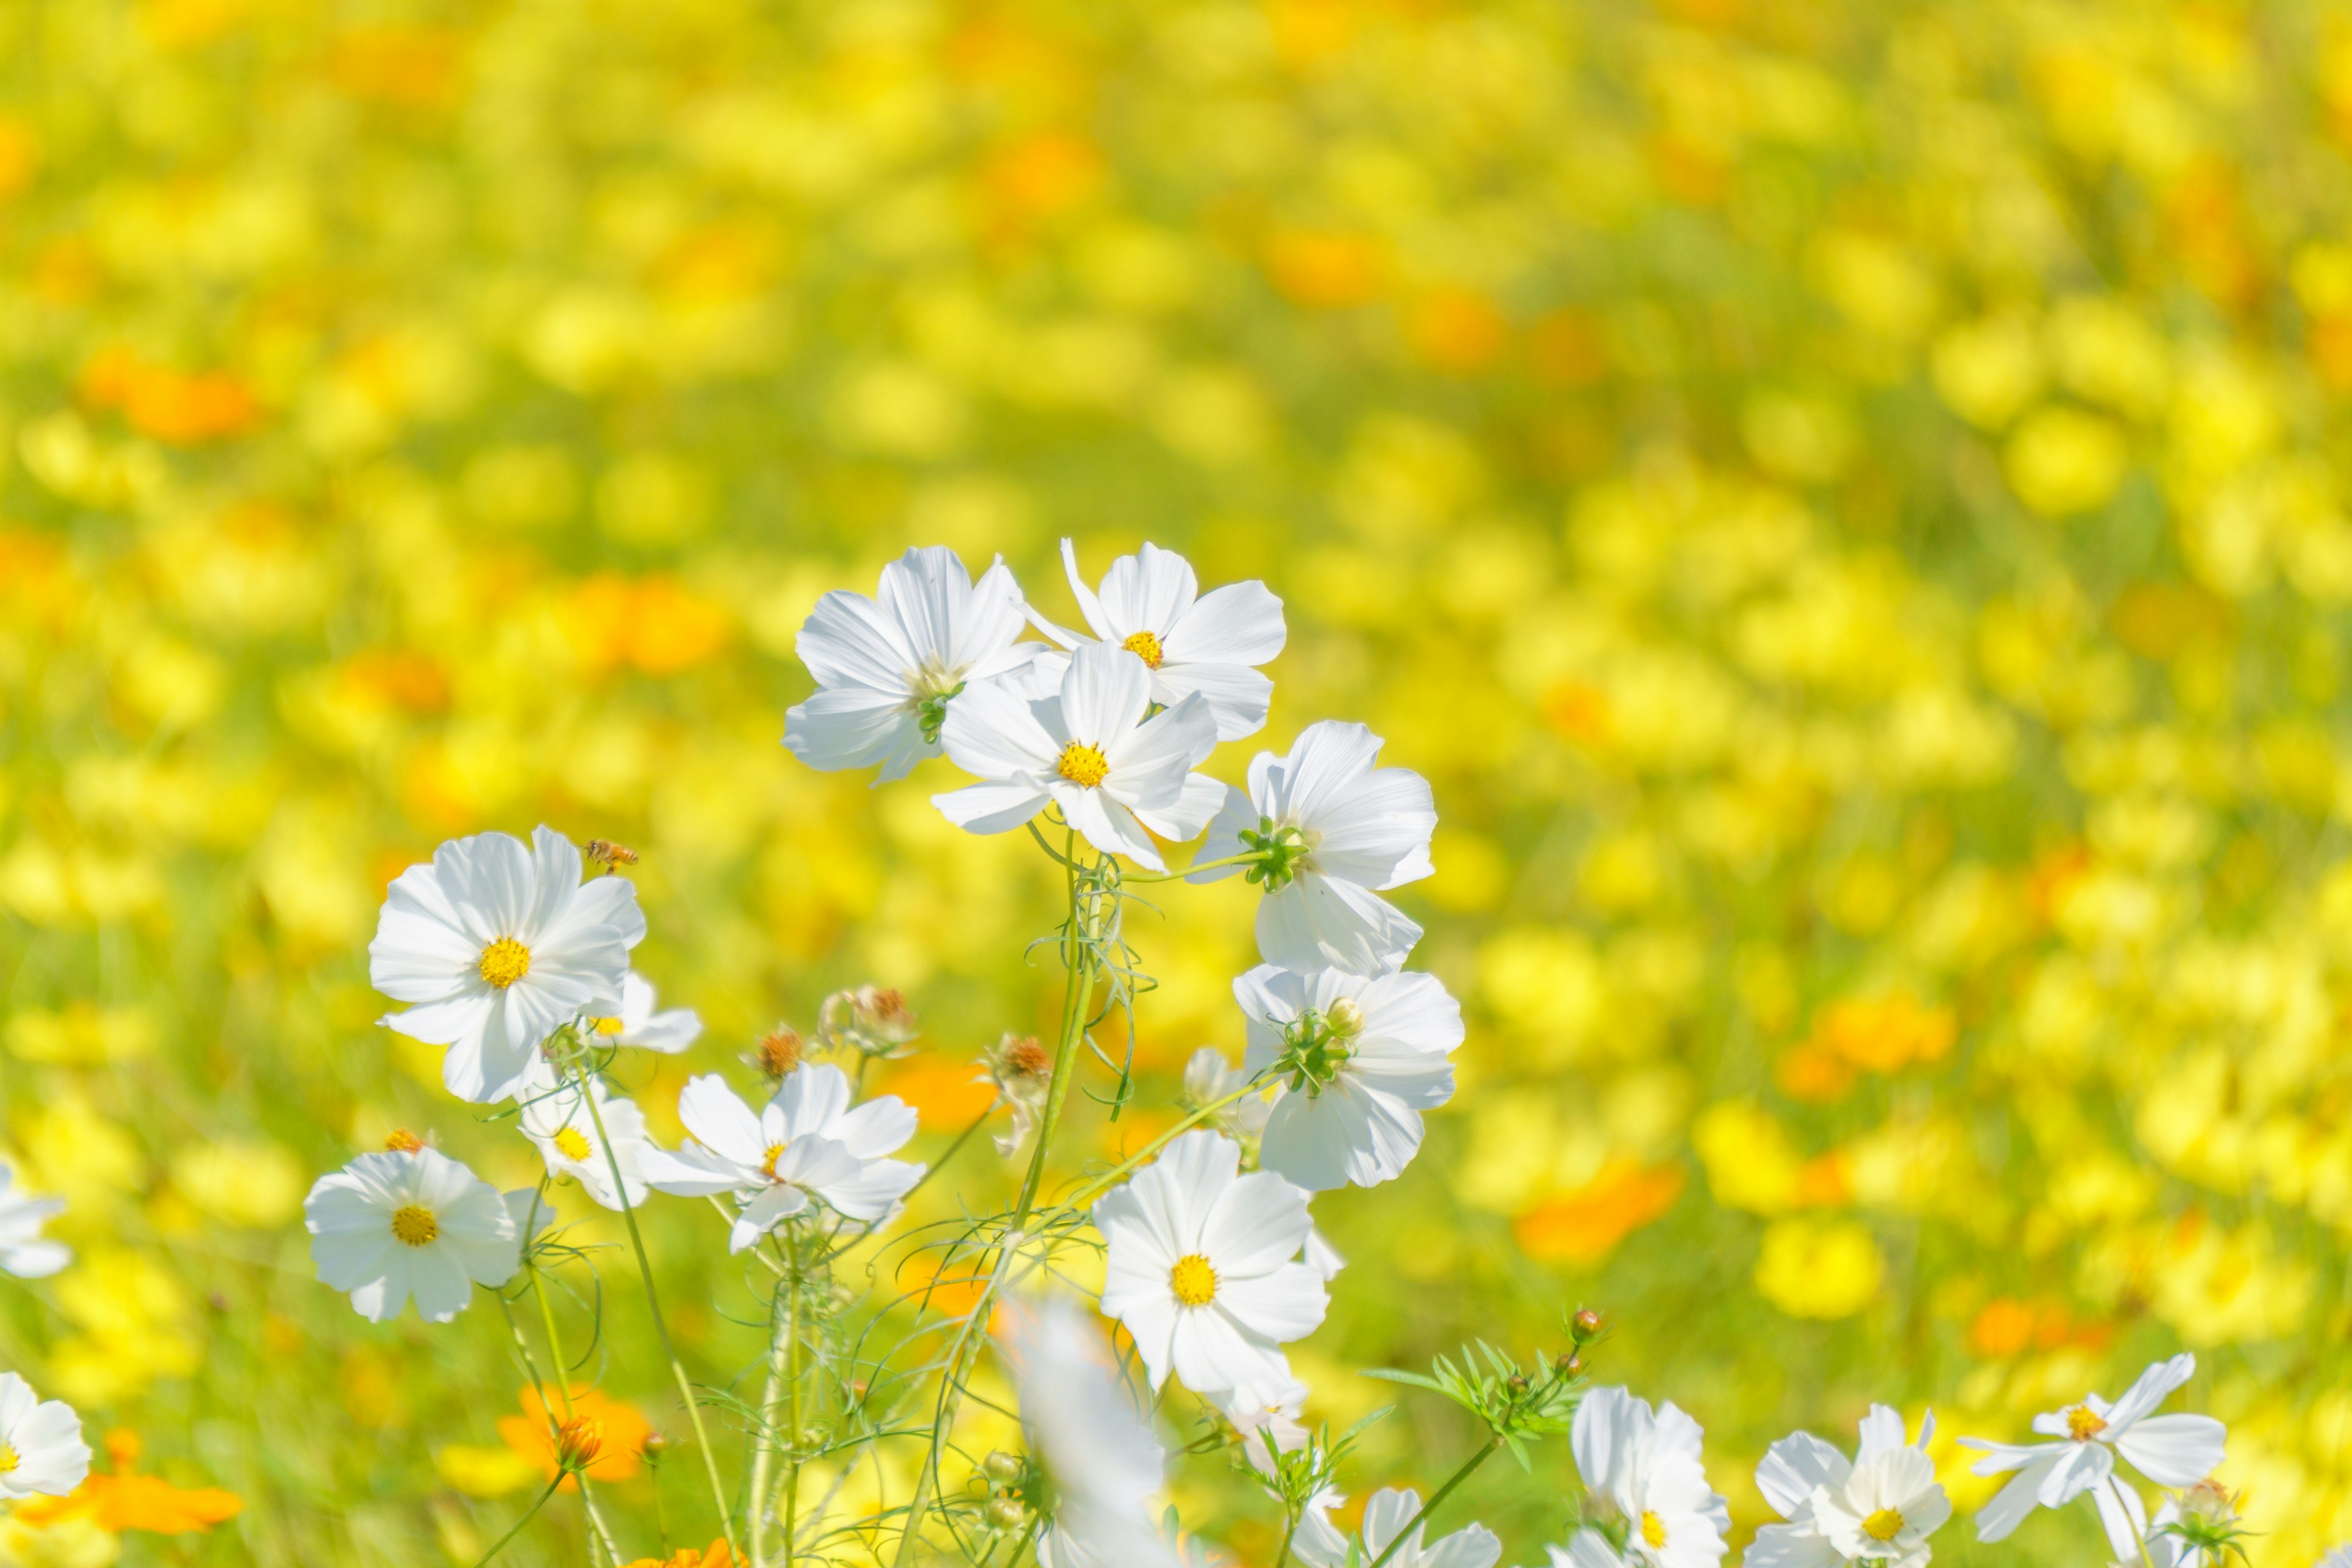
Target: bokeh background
(1844, 501)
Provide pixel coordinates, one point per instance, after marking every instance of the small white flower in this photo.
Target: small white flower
(497, 944)
(1086, 1429)
(387, 1226)
(1268, 1417)
(1385, 1516)
(888, 669)
(1209, 1077)
(1361, 1056)
(41, 1450)
(1088, 750)
(1151, 605)
(2170, 1450)
(1882, 1506)
(805, 1143)
(557, 1116)
(1646, 1467)
(638, 1024)
(24, 1251)
(1330, 832)
(1202, 1268)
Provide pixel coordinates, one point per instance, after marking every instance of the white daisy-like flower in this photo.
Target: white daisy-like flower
(806, 1144)
(389, 1226)
(1386, 1514)
(1881, 1505)
(1089, 749)
(497, 944)
(1151, 605)
(2206, 1512)
(24, 1250)
(1328, 832)
(639, 1024)
(1209, 1077)
(1087, 1431)
(889, 669)
(1359, 1059)
(557, 1116)
(41, 1450)
(1587, 1548)
(2170, 1450)
(1202, 1268)
(1647, 1467)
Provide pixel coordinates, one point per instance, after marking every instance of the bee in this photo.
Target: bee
(606, 853)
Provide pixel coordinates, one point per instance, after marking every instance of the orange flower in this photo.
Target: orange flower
(716, 1556)
(127, 1500)
(1585, 1225)
(620, 1428)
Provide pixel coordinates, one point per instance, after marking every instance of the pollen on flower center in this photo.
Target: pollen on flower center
(1194, 1281)
(1145, 646)
(1653, 1529)
(2083, 1424)
(504, 962)
(1084, 765)
(1884, 1525)
(767, 1165)
(8, 1459)
(412, 1226)
(609, 1026)
(573, 1143)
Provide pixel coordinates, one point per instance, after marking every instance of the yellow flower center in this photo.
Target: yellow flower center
(413, 1226)
(767, 1165)
(1083, 765)
(1884, 1525)
(1653, 1530)
(504, 962)
(573, 1143)
(608, 1026)
(8, 1459)
(2083, 1424)
(1194, 1281)
(1144, 646)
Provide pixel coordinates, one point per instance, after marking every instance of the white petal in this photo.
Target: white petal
(2174, 1450)
(1791, 1467)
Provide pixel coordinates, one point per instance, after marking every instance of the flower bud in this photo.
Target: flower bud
(577, 1442)
(656, 1447)
(1585, 1326)
(1007, 1512)
(1002, 1467)
(1346, 1018)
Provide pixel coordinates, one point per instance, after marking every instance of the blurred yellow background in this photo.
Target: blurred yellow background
(1845, 502)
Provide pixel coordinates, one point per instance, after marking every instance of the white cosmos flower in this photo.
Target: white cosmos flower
(1647, 1467)
(1087, 1431)
(1385, 1515)
(41, 1450)
(557, 1116)
(497, 944)
(890, 669)
(24, 1251)
(1363, 1057)
(1151, 605)
(639, 1025)
(1883, 1505)
(1202, 1268)
(1091, 751)
(805, 1143)
(387, 1226)
(1209, 1077)
(2170, 1450)
(1332, 831)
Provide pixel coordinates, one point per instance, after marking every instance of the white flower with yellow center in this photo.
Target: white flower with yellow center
(1357, 1058)
(24, 1251)
(807, 1144)
(1091, 751)
(1151, 605)
(640, 1025)
(1386, 1513)
(41, 1450)
(1326, 833)
(1087, 1430)
(389, 1226)
(1644, 1469)
(1202, 1268)
(496, 945)
(890, 668)
(2170, 1450)
(1882, 1506)
(557, 1115)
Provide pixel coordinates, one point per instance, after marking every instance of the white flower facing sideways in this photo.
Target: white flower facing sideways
(1329, 832)
(805, 1145)
(888, 669)
(1360, 1058)
(1647, 1467)
(24, 1250)
(1085, 1428)
(1881, 1505)
(391, 1226)
(1088, 750)
(2170, 1450)
(1209, 1077)
(642, 1023)
(1203, 1267)
(561, 1119)
(41, 1450)
(1386, 1514)
(1151, 605)
(497, 944)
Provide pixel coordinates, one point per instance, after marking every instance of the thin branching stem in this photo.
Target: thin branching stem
(1485, 1452)
(527, 1514)
(563, 1393)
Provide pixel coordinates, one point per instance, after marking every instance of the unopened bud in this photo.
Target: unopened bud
(1002, 1467)
(401, 1140)
(605, 852)
(656, 1447)
(1585, 1326)
(577, 1442)
(1346, 1018)
(1519, 1382)
(1007, 1512)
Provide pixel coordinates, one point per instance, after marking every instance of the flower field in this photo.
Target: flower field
(1845, 505)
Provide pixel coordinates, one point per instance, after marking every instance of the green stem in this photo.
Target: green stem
(563, 1393)
(526, 1519)
(1216, 865)
(1088, 1189)
(1289, 1529)
(953, 1149)
(763, 1461)
(1456, 1479)
(792, 1426)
